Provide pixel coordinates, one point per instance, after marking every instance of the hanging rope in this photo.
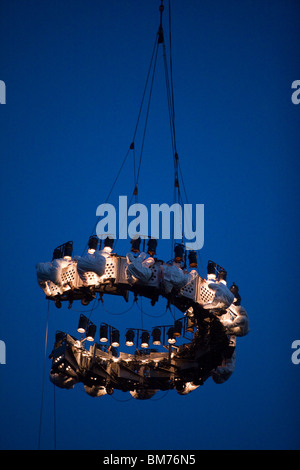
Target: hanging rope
(43, 377)
(148, 88)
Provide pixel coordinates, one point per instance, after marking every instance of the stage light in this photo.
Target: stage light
(109, 242)
(193, 259)
(177, 328)
(179, 252)
(56, 254)
(82, 324)
(103, 333)
(171, 338)
(235, 291)
(115, 338)
(156, 334)
(223, 276)
(145, 339)
(68, 250)
(190, 325)
(93, 244)
(211, 271)
(129, 338)
(152, 244)
(90, 335)
(135, 244)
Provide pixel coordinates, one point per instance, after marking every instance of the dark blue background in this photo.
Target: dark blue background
(75, 73)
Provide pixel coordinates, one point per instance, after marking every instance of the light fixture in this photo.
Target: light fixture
(193, 259)
(109, 242)
(135, 244)
(92, 244)
(152, 244)
(68, 250)
(190, 325)
(56, 254)
(171, 338)
(211, 271)
(179, 252)
(223, 276)
(156, 334)
(82, 324)
(90, 335)
(59, 336)
(235, 291)
(103, 333)
(177, 328)
(129, 338)
(115, 338)
(145, 339)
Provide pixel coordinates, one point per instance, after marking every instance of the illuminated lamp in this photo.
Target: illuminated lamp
(68, 250)
(193, 259)
(91, 331)
(115, 338)
(179, 252)
(152, 244)
(92, 244)
(190, 325)
(171, 337)
(211, 271)
(103, 333)
(135, 245)
(82, 324)
(177, 328)
(145, 339)
(109, 242)
(156, 334)
(129, 338)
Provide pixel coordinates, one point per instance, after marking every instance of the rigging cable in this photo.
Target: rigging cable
(43, 377)
(132, 145)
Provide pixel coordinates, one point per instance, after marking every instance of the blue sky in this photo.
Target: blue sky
(74, 74)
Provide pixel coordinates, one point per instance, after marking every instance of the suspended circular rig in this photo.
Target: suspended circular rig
(201, 343)
(213, 318)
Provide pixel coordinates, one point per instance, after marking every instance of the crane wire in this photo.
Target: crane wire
(132, 145)
(43, 376)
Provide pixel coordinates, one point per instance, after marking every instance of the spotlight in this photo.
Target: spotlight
(193, 259)
(179, 252)
(68, 250)
(190, 325)
(171, 337)
(56, 254)
(235, 290)
(103, 333)
(115, 338)
(109, 242)
(156, 334)
(90, 335)
(82, 324)
(211, 273)
(145, 339)
(129, 338)
(93, 244)
(152, 244)
(59, 336)
(177, 328)
(135, 244)
(223, 276)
